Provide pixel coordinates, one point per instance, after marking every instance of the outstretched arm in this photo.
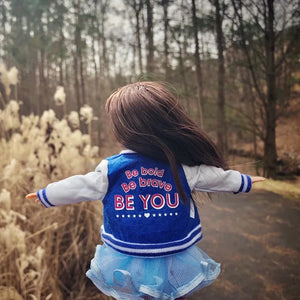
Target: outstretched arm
(92, 186)
(206, 178)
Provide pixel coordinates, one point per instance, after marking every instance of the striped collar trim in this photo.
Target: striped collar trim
(125, 151)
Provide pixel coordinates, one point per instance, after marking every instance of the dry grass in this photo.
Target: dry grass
(287, 189)
(45, 252)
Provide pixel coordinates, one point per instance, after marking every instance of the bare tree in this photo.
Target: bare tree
(149, 37)
(165, 5)
(221, 115)
(76, 54)
(198, 65)
(137, 6)
(255, 22)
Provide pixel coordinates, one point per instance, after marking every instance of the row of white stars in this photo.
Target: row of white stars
(147, 215)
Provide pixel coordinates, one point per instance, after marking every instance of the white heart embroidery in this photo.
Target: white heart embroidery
(147, 215)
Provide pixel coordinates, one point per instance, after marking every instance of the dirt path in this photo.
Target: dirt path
(256, 238)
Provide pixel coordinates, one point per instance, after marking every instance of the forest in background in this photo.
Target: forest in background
(234, 66)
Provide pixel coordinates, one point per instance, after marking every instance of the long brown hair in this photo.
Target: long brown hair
(147, 118)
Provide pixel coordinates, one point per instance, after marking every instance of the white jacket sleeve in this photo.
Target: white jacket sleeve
(212, 179)
(92, 186)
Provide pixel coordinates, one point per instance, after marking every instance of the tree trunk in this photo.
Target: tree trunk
(61, 71)
(3, 18)
(96, 79)
(133, 65)
(76, 83)
(183, 76)
(104, 65)
(198, 66)
(68, 85)
(221, 116)
(138, 35)
(149, 36)
(165, 4)
(82, 81)
(270, 155)
(42, 83)
(76, 62)
(3, 96)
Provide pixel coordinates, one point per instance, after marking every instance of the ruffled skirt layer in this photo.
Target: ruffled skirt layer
(168, 277)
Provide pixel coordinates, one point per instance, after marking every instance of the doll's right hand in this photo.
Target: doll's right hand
(255, 179)
(32, 196)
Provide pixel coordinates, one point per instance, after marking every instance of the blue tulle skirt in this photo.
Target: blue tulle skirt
(168, 277)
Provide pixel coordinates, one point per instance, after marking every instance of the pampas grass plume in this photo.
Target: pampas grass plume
(60, 96)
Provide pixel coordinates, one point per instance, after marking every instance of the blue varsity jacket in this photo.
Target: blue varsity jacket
(142, 210)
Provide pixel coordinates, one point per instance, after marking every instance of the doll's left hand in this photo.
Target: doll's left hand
(32, 196)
